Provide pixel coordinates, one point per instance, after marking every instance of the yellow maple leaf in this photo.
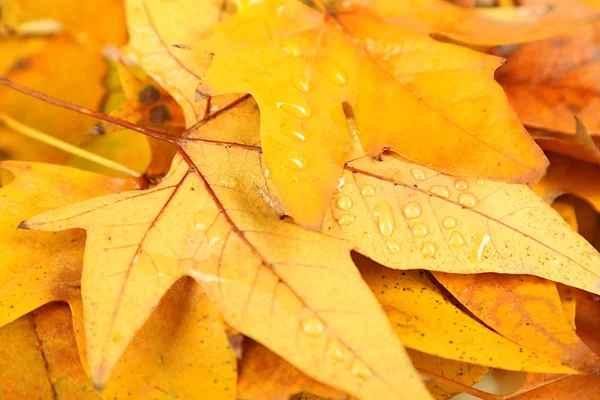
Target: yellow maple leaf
(433, 102)
(303, 297)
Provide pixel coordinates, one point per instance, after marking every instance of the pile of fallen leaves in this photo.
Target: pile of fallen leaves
(345, 199)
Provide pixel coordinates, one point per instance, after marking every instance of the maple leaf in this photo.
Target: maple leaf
(32, 270)
(302, 66)
(205, 220)
(406, 216)
(151, 366)
(159, 42)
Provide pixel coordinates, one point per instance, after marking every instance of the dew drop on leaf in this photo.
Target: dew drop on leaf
(412, 210)
(428, 249)
(291, 49)
(299, 83)
(440, 190)
(295, 163)
(296, 135)
(346, 220)
(295, 110)
(344, 203)
(368, 190)
(385, 218)
(360, 369)
(449, 222)
(418, 174)
(481, 241)
(393, 246)
(228, 181)
(336, 74)
(457, 239)
(313, 326)
(420, 230)
(461, 185)
(335, 350)
(467, 200)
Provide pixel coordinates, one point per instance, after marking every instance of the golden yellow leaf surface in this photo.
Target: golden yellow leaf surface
(461, 372)
(180, 352)
(526, 310)
(477, 26)
(147, 104)
(78, 68)
(425, 320)
(39, 358)
(433, 102)
(569, 176)
(406, 216)
(91, 23)
(264, 376)
(301, 295)
(161, 35)
(40, 354)
(39, 267)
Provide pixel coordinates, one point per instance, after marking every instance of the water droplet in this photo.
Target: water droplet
(461, 185)
(481, 241)
(457, 239)
(360, 369)
(228, 181)
(367, 235)
(467, 200)
(344, 203)
(340, 185)
(368, 190)
(335, 350)
(295, 163)
(393, 246)
(449, 222)
(385, 218)
(418, 174)
(300, 83)
(412, 210)
(440, 190)
(346, 220)
(336, 74)
(313, 326)
(295, 110)
(420, 230)
(296, 135)
(428, 249)
(480, 182)
(291, 49)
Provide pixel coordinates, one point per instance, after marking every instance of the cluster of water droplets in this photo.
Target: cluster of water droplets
(314, 327)
(301, 84)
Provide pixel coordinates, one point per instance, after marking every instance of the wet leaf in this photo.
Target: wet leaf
(307, 77)
(406, 216)
(201, 220)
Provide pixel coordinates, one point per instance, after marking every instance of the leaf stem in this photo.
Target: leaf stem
(64, 146)
(86, 111)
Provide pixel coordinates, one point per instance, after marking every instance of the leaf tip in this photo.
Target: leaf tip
(24, 225)
(99, 377)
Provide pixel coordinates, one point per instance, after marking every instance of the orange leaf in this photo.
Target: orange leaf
(265, 376)
(526, 310)
(301, 66)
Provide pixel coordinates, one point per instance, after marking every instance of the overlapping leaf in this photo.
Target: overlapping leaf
(202, 220)
(403, 88)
